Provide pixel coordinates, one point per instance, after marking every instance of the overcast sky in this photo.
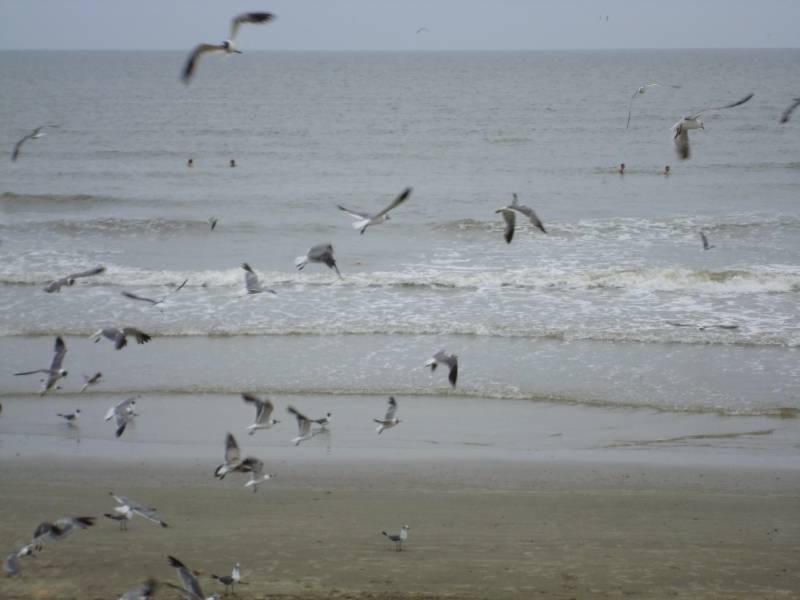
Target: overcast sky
(392, 24)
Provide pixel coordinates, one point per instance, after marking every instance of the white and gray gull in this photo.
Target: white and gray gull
(55, 372)
(153, 301)
(128, 508)
(680, 131)
(120, 336)
(33, 135)
(251, 282)
(389, 420)
(321, 253)
(264, 410)
(509, 214)
(144, 592)
(191, 588)
(69, 280)
(442, 358)
(228, 46)
(364, 220)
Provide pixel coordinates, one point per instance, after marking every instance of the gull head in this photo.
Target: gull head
(700, 125)
(71, 281)
(62, 372)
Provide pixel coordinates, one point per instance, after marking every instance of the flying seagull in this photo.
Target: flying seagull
(228, 46)
(235, 463)
(59, 530)
(251, 282)
(324, 421)
(640, 91)
(33, 135)
(788, 112)
(191, 587)
(90, 381)
(321, 253)
(122, 413)
(442, 358)
(144, 592)
(706, 245)
(130, 507)
(69, 280)
(681, 129)
(212, 221)
(257, 475)
(398, 539)
(509, 214)
(55, 372)
(704, 326)
(304, 431)
(389, 420)
(120, 336)
(71, 418)
(264, 410)
(421, 29)
(11, 563)
(364, 220)
(229, 580)
(151, 300)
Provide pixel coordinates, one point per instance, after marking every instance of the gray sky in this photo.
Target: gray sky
(391, 24)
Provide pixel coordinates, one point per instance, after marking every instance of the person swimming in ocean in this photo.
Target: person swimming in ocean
(233, 163)
(666, 171)
(190, 162)
(621, 169)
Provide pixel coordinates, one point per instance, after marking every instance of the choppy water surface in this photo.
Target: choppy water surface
(581, 315)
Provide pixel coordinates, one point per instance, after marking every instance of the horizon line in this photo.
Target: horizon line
(649, 48)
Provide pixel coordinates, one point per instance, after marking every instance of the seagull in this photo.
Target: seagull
(706, 245)
(257, 475)
(155, 302)
(69, 280)
(212, 221)
(321, 253)
(398, 539)
(130, 507)
(191, 588)
(228, 46)
(682, 127)
(324, 421)
(235, 463)
(421, 29)
(389, 420)
(144, 592)
(71, 418)
(11, 563)
(58, 530)
(703, 326)
(34, 135)
(788, 112)
(251, 282)
(229, 580)
(364, 220)
(639, 92)
(509, 214)
(303, 426)
(55, 372)
(451, 360)
(122, 413)
(121, 518)
(90, 381)
(120, 336)
(264, 410)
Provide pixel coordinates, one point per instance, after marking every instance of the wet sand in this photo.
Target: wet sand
(479, 529)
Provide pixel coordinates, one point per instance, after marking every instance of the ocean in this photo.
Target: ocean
(575, 323)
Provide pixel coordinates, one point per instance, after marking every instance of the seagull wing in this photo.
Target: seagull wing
(630, 107)
(142, 298)
(191, 62)
(232, 453)
(251, 282)
(510, 218)
(731, 105)
(303, 422)
(390, 412)
(192, 587)
(18, 145)
(33, 372)
(353, 213)
(788, 112)
(60, 349)
(141, 336)
(253, 17)
(395, 203)
(705, 240)
(89, 273)
(529, 212)
(681, 139)
(264, 408)
(149, 515)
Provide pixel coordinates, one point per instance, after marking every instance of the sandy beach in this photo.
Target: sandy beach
(479, 529)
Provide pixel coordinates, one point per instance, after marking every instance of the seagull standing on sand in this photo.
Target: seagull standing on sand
(91, 381)
(120, 336)
(144, 592)
(509, 214)
(69, 280)
(706, 245)
(680, 131)
(442, 358)
(398, 539)
(364, 220)
(389, 420)
(191, 588)
(228, 46)
(321, 253)
(304, 431)
(251, 282)
(264, 410)
(130, 507)
(71, 418)
(55, 372)
(229, 580)
(33, 135)
(121, 518)
(151, 300)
